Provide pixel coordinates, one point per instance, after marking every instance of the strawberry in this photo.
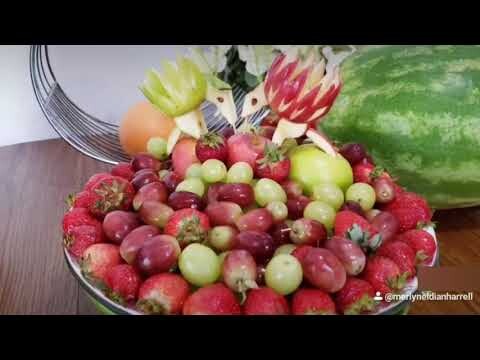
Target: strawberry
(163, 294)
(410, 209)
(79, 216)
(401, 254)
(356, 297)
(80, 237)
(114, 193)
(356, 228)
(312, 302)
(122, 283)
(214, 299)
(362, 171)
(94, 179)
(273, 164)
(123, 170)
(81, 200)
(188, 225)
(384, 275)
(422, 243)
(265, 301)
(211, 146)
(97, 259)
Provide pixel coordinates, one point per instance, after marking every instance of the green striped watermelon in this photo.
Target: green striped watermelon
(417, 110)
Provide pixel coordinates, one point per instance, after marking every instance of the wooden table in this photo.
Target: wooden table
(37, 177)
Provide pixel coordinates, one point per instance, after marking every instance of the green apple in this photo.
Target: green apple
(311, 166)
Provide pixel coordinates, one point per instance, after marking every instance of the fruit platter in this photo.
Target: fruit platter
(272, 218)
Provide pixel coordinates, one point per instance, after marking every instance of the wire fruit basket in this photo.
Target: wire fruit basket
(89, 135)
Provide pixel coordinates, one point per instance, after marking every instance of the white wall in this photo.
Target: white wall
(103, 80)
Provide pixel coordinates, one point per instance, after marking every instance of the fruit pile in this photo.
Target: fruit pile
(234, 224)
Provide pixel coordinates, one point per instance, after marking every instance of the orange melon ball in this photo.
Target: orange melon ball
(142, 122)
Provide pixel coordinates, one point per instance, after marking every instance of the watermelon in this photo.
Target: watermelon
(417, 110)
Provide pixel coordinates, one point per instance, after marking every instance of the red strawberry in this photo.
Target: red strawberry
(214, 299)
(422, 243)
(163, 294)
(79, 238)
(410, 209)
(81, 200)
(97, 259)
(312, 302)
(114, 193)
(123, 170)
(356, 228)
(188, 225)
(356, 297)
(94, 179)
(384, 275)
(265, 301)
(77, 217)
(272, 164)
(211, 146)
(401, 254)
(123, 282)
(362, 171)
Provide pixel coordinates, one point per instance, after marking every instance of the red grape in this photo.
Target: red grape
(241, 194)
(155, 213)
(323, 270)
(158, 254)
(260, 280)
(308, 232)
(185, 199)
(135, 240)
(384, 190)
(117, 224)
(144, 177)
(227, 132)
(353, 206)
(259, 244)
(212, 192)
(256, 220)
(387, 225)
(280, 234)
(292, 188)
(350, 254)
(223, 213)
(171, 181)
(296, 206)
(266, 131)
(239, 271)
(353, 153)
(154, 191)
(145, 161)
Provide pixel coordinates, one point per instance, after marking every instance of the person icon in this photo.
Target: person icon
(378, 296)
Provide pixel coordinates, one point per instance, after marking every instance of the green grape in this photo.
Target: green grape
(157, 147)
(363, 194)
(194, 185)
(267, 191)
(329, 193)
(199, 265)
(284, 249)
(278, 210)
(194, 171)
(213, 170)
(321, 212)
(240, 172)
(284, 274)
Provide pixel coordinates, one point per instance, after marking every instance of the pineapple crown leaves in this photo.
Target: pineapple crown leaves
(212, 140)
(272, 154)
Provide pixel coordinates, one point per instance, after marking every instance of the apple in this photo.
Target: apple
(310, 166)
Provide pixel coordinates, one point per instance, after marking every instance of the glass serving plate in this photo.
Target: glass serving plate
(108, 307)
